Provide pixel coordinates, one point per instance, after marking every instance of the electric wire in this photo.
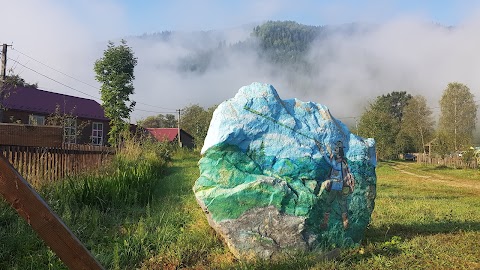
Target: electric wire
(74, 89)
(78, 80)
(94, 87)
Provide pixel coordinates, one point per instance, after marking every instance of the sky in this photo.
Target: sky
(55, 43)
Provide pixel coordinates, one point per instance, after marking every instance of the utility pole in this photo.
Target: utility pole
(4, 62)
(179, 135)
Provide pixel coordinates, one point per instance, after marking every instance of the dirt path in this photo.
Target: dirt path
(437, 178)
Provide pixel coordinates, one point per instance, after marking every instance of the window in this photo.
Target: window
(70, 130)
(97, 133)
(36, 120)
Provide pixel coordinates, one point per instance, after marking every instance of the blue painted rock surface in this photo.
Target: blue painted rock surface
(266, 172)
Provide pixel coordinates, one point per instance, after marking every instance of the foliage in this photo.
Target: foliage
(469, 155)
(278, 42)
(382, 121)
(115, 71)
(65, 120)
(285, 42)
(195, 121)
(417, 123)
(458, 116)
(440, 230)
(158, 121)
(11, 82)
(128, 181)
(394, 103)
(15, 80)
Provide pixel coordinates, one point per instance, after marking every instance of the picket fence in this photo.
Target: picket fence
(452, 162)
(40, 165)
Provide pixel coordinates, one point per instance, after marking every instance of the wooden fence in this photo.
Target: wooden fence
(453, 162)
(40, 165)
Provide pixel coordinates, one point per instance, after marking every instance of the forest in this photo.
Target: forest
(400, 122)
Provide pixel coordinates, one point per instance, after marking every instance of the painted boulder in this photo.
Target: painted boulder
(280, 176)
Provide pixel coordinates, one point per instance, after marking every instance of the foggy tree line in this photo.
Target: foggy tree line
(283, 43)
(399, 122)
(277, 42)
(402, 123)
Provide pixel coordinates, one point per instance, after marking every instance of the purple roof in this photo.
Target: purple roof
(34, 100)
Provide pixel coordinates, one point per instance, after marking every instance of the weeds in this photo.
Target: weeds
(142, 213)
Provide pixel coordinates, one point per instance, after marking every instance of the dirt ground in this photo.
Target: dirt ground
(435, 177)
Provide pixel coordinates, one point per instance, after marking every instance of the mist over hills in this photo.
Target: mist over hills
(342, 66)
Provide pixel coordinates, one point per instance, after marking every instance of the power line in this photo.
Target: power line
(41, 74)
(78, 80)
(94, 97)
(63, 73)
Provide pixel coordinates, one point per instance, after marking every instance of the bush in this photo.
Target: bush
(128, 181)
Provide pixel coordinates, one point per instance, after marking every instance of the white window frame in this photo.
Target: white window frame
(36, 120)
(70, 131)
(97, 133)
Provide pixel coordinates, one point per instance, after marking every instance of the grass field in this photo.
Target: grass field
(424, 218)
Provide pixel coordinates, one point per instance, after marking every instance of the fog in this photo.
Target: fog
(405, 53)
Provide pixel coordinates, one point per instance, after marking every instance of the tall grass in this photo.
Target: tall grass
(417, 223)
(130, 179)
(95, 207)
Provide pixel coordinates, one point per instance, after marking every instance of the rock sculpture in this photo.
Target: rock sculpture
(270, 171)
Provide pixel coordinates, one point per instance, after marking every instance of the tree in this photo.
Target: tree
(15, 80)
(154, 121)
(196, 120)
(382, 121)
(381, 126)
(11, 82)
(72, 130)
(417, 123)
(115, 71)
(393, 103)
(458, 115)
(158, 121)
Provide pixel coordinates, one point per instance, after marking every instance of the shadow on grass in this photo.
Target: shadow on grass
(383, 233)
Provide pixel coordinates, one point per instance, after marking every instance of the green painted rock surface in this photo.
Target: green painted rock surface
(264, 162)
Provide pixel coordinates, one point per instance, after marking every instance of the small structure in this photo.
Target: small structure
(171, 135)
(86, 122)
(428, 146)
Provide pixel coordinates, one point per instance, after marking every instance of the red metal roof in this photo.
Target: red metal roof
(162, 134)
(34, 100)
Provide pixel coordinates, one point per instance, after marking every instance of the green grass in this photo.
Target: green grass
(418, 223)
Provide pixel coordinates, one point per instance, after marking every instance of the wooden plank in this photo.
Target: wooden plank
(31, 207)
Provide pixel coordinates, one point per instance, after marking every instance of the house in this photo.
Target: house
(171, 135)
(84, 120)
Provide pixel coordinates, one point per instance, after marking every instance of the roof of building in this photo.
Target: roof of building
(35, 100)
(162, 134)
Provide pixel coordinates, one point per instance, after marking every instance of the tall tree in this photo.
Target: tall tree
(196, 120)
(458, 116)
(393, 103)
(159, 121)
(170, 121)
(153, 121)
(115, 71)
(381, 126)
(417, 123)
(382, 121)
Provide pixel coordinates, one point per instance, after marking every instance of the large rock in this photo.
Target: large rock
(264, 160)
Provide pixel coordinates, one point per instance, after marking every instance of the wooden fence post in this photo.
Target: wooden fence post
(31, 207)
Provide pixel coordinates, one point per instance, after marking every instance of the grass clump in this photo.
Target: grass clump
(107, 210)
(422, 220)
